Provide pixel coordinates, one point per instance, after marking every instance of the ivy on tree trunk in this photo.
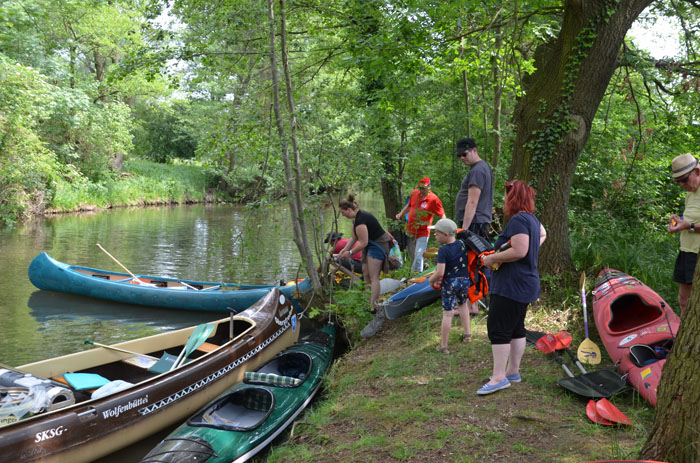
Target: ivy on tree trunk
(554, 118)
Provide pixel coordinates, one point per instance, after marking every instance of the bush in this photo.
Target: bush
(26, 166)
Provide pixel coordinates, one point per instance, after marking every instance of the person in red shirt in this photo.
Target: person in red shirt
(354, 262)
(422, 206)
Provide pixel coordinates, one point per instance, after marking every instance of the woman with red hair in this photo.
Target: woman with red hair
(513, 286)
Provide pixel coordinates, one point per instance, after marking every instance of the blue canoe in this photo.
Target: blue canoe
(49, 274)
(410, 299)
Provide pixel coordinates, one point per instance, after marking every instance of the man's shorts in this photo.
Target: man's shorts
(685, 267)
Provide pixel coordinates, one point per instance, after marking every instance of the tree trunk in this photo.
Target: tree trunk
(674, 435)
(467, 105)
(295, 206)
(497, 100)
(554, 118)
(303, 238)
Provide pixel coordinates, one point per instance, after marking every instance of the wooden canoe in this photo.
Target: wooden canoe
(49, 274)
(90, 427)
(631, 319)
(250, 415)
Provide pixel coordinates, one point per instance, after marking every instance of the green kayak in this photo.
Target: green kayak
(247, 417)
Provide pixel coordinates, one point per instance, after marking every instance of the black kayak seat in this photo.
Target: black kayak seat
(631, 311)
(643, 355)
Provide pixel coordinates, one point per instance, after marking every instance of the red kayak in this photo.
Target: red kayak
(636, 326)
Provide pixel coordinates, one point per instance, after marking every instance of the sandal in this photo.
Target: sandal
(443, 350)
(467, 337)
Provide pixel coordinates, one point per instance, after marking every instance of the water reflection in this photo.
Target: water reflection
(198, 242)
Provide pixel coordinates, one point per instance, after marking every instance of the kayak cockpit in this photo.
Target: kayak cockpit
(242, 410)
(643, 355)
(630, 312)
(295, 365)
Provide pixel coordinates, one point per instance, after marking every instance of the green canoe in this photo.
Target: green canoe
(247, 417)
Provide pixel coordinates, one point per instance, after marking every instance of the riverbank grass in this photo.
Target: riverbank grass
(140, 183)
(395, 398)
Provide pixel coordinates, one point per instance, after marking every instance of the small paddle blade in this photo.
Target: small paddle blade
(593, 414)
(430, 253)
(421, 278)
(563, 340)
(610, 412)
(588, 352)
(198, 336)
(546, 344)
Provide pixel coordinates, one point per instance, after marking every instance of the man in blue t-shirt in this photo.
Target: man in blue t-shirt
(452, 272)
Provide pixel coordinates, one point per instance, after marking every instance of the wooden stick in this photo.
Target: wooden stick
(188, 286)
(120, 264)
(345, 270)
(87, 341)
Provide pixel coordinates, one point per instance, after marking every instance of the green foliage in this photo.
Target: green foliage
(163, 132)
(85, 134)
(26, 166)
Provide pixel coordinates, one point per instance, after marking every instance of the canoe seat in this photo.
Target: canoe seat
(241, 410)
(207, 347)
(271, 379)
(631, 311)
(88, 382)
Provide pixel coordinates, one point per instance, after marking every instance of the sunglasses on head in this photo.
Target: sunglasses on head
(509, 185)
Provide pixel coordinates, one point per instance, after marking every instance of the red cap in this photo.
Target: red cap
(425, 181)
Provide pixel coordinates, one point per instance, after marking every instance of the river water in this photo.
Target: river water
(196, 242)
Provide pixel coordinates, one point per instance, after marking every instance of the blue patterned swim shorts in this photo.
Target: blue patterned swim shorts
(455, 292)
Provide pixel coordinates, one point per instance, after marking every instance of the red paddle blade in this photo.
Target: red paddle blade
(563, 340)
(546, 344)
(593, 414)
(610, 412)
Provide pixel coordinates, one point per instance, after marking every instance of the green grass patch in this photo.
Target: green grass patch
(142, 182)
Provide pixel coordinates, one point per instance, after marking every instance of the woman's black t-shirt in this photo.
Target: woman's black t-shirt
(374, 229)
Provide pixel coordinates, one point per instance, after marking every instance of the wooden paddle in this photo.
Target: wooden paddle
(136, 279)
(421, 278)
(588, 351)
(430, 253)
(105, 346)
